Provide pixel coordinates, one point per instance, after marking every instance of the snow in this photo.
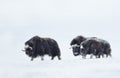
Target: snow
(61, 20)
(65, 68)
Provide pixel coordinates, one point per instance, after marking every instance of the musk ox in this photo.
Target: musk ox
(95, 46)
(90, 46)
(75, 45)
(38, 46)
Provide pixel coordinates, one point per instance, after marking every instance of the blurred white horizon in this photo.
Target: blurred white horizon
(61, 20)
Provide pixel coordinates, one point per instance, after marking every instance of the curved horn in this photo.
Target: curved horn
(70, 47)
(81, 46)
(30, 47)
(23, 50)
(75, 45)
(27, 46)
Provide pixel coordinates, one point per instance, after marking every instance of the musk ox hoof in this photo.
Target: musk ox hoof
(42, 58)
(31, 59)
(59, 58)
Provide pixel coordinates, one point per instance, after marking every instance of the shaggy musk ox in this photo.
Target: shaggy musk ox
(75, 44)
(38, 46)
(95, 46)
(92, 46)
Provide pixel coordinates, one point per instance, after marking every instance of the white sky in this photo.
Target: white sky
(59, 19)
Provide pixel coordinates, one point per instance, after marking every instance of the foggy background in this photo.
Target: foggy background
(61, 20)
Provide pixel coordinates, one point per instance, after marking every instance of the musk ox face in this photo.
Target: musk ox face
(28, 50)
(29, 47)
(76, 50)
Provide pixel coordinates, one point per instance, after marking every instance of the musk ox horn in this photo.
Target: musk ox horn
(75, 45)
(23, 50)
(81, 46)
(27, 46)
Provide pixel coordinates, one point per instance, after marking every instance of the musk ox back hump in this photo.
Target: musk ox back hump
(55, 51)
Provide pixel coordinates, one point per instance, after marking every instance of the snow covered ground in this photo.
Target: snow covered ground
(66, 68)
(61, 20)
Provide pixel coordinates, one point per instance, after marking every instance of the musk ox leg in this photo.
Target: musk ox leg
(59, 58)
(110, 55)
(52, 57)
(32, 59)
(107, 55)
(42, 58)
(91, 56)
(84, 56)
(102, 55)
(97, 56)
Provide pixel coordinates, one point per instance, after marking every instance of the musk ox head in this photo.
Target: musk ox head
(28, 50)
(29, 46)
(76, 49)
(75, 43)
(77, 40)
